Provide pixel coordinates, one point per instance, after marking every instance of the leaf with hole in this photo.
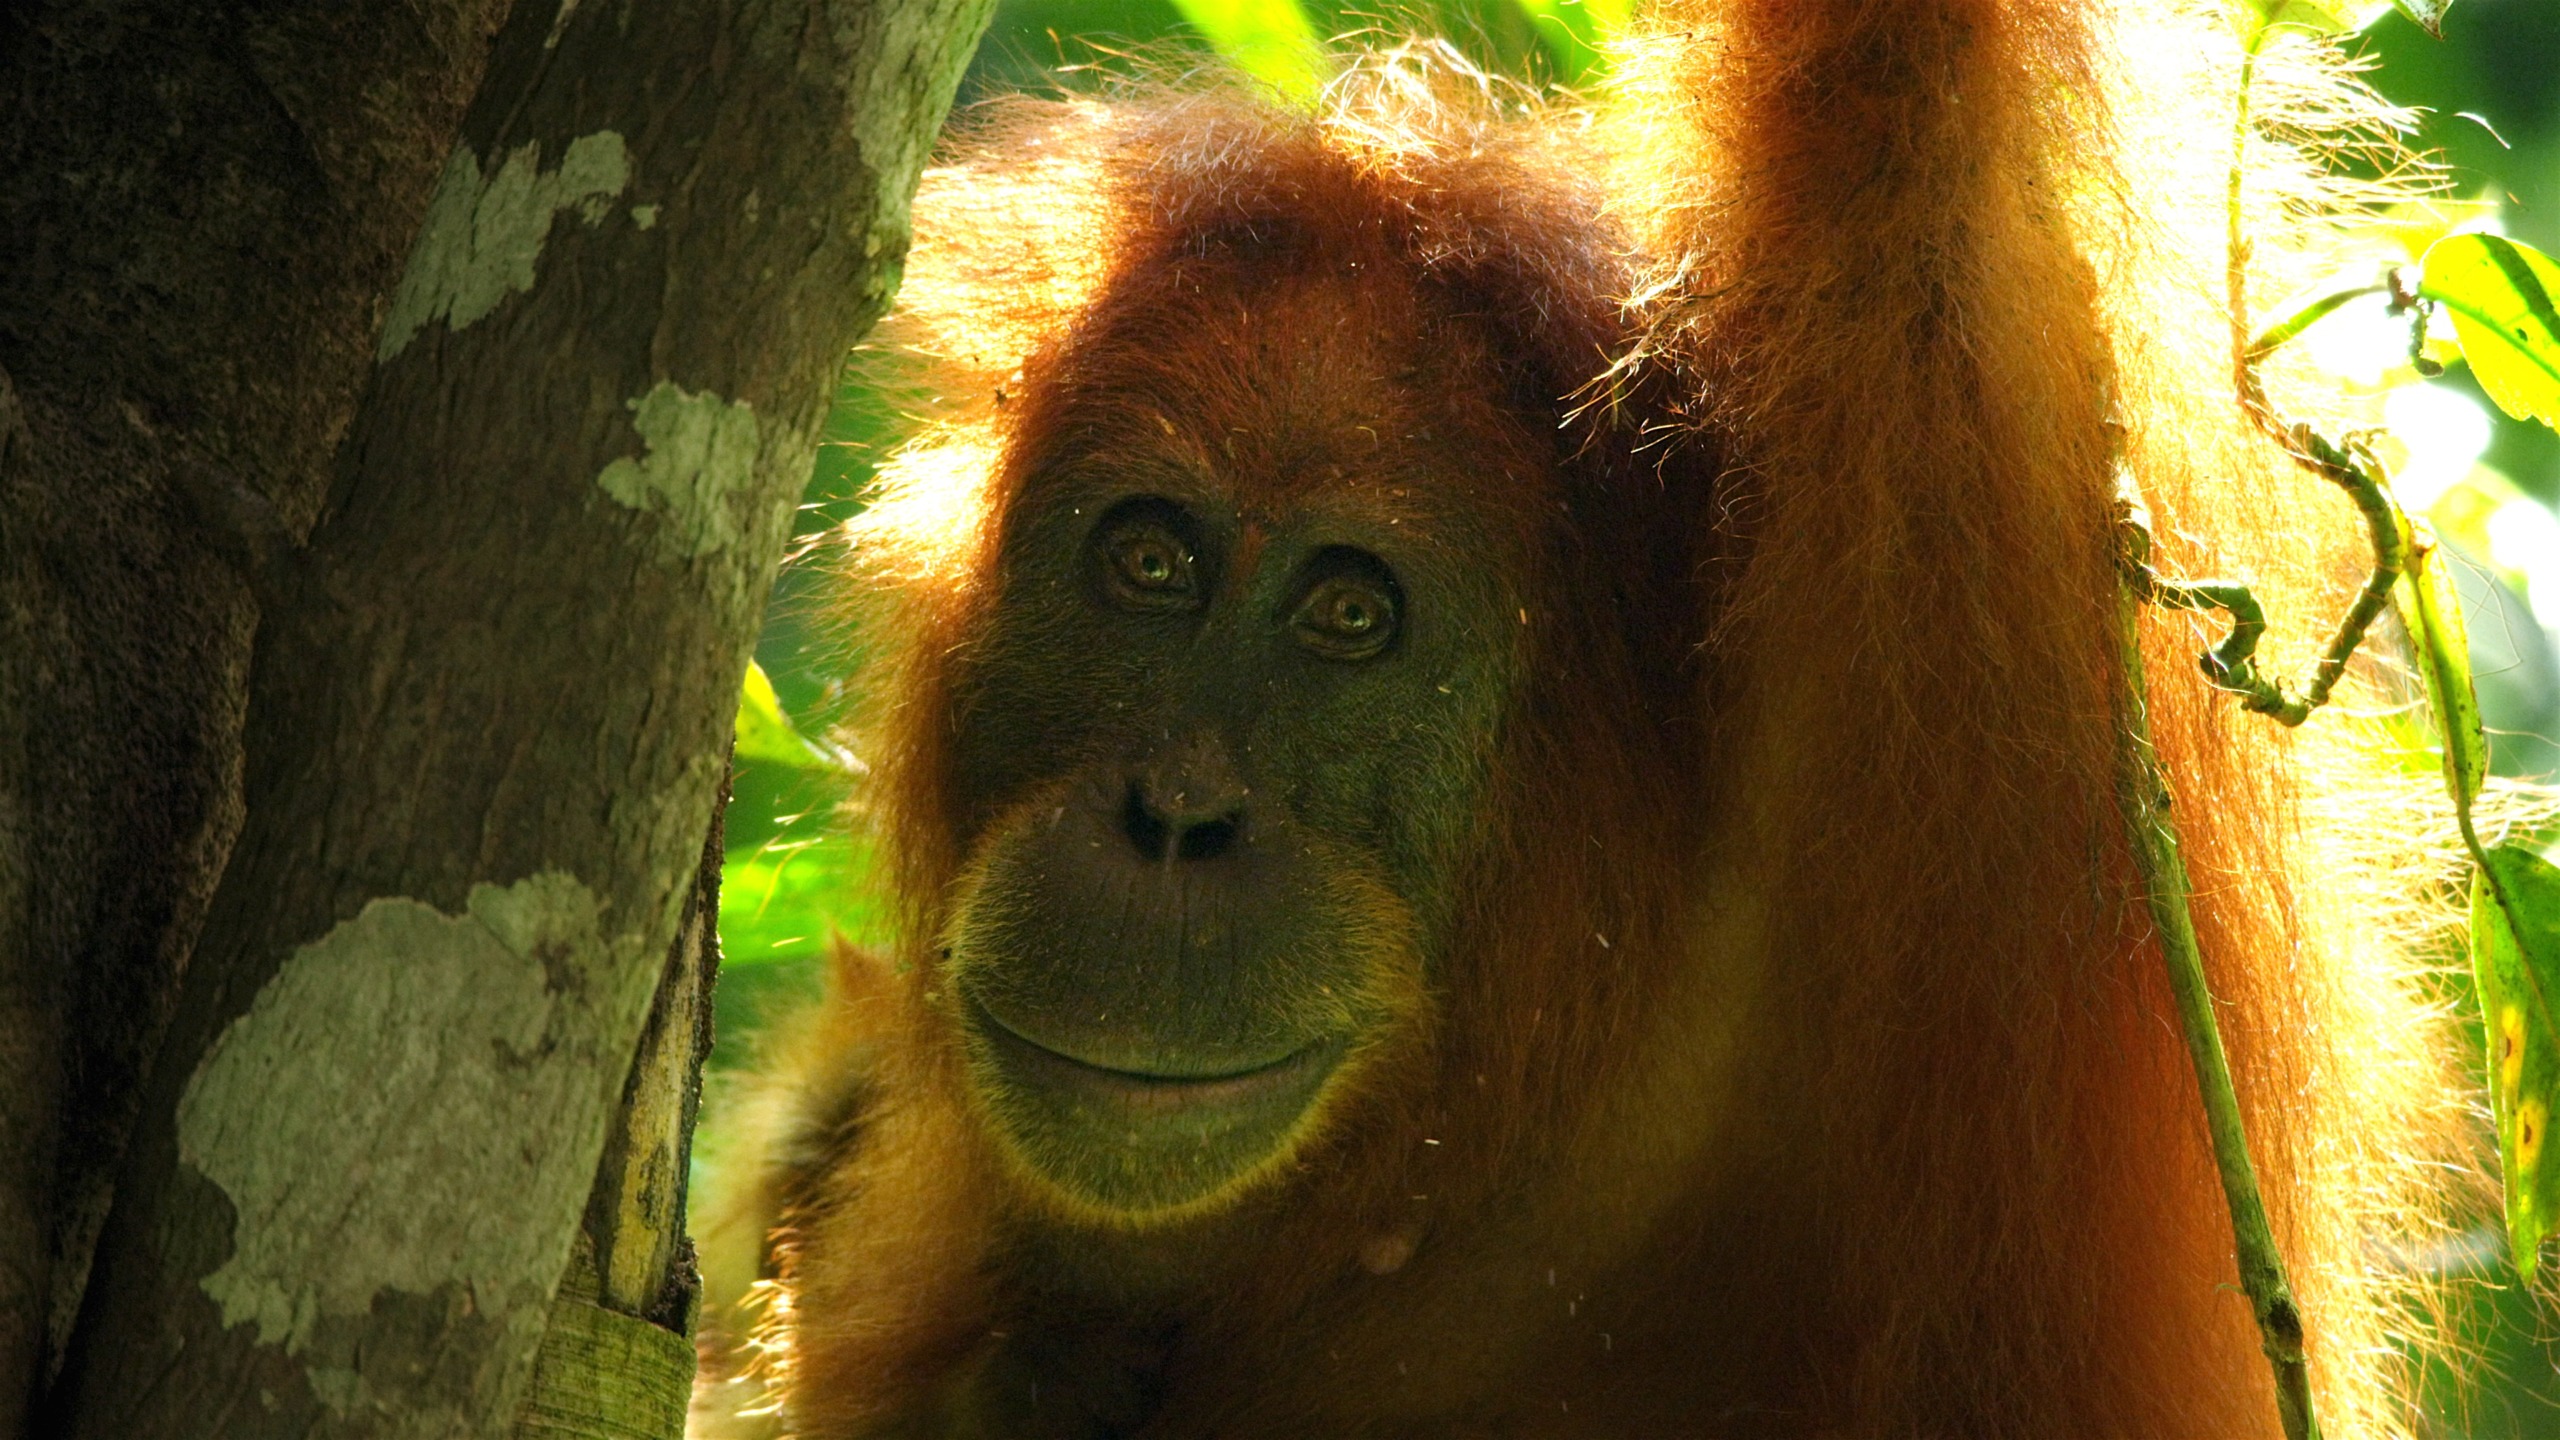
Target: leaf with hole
(2515, 913)
(2501, 297)
(2515, 958)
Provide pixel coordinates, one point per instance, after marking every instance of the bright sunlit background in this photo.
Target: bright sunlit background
(796, 870)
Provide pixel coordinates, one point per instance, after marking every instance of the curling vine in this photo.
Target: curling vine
(2499, 298)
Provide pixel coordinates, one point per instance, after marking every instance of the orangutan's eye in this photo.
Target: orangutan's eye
(1145, 565)
(1349, 616)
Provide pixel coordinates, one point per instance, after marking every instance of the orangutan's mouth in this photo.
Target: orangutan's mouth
(1158, 1091)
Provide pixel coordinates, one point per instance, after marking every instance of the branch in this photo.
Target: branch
(2232, 665)
(2143, 795)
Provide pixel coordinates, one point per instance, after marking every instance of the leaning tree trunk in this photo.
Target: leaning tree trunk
(404, 1095)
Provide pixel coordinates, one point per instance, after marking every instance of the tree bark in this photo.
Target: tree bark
(200, 212)
(618, 1357)
(487, 719)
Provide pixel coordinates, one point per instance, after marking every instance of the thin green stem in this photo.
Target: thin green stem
(2235, 238)
(2143, 794)
(2284, 331)
(2143, 785)
(2357, 473)
(2232, 664)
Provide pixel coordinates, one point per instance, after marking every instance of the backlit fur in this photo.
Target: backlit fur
(1804, 1035)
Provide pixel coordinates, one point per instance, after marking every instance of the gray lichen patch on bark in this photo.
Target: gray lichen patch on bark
(483, 235)
(326, 1112)
(698, 471)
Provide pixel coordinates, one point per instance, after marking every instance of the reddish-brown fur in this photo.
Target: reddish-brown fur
(1802, 1065)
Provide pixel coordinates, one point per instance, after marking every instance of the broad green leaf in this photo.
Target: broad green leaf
(2500, 295)
(785, 902)
(2434, 616)
(2515, 914)
(2515, 959)
(1269, 40)
(1577, 33)
(764, 732)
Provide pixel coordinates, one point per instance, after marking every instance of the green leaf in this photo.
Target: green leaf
(2434, 616)
(2515, 914)
(2500, 296)
(2331, 17)
(1577, 33)
(2515, 958)
(764, 732)
(2428, 13)
(788, 902)
(1269, 40)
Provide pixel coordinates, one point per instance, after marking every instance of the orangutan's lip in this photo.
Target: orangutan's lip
(1153, 1092)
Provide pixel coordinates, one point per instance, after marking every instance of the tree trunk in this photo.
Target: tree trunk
(489, 702)
(200, 213)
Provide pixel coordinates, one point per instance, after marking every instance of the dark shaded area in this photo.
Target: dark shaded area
(200, 207)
